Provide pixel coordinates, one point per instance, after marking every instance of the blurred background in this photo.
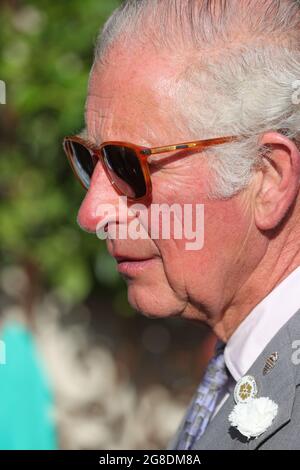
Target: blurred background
(79, 369)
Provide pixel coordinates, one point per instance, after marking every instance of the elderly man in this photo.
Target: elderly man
(197, 102)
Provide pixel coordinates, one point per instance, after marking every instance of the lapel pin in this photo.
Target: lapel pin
(270, 363)
(245, 390)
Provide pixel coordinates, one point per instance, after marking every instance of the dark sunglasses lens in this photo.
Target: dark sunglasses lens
(83, 160)
(125, 170)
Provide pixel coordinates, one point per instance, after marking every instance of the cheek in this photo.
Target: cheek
(196, 273)
(183, 182)
(185, 192)
(174, 265)
(199, 272)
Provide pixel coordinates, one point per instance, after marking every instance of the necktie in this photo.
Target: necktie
(204, 401)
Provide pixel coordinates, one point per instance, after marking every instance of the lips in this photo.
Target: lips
(133, 267)
(121, 259)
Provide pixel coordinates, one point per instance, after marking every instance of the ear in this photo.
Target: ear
(279, 181)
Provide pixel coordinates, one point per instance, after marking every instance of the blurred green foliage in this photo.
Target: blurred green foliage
(46, 51)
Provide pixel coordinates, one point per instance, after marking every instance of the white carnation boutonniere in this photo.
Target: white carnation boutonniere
(252, 416)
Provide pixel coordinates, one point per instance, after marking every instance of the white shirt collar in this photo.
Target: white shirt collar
(261, 325)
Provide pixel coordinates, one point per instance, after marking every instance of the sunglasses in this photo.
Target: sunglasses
(126, 165)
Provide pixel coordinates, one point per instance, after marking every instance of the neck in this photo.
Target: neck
(281, 258)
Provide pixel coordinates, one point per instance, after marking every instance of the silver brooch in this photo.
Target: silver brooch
(270, 363)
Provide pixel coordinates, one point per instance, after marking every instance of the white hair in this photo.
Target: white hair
(241, 66)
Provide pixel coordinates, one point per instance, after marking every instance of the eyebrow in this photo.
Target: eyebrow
(83, 133)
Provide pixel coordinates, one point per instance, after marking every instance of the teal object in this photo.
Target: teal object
(26, 400)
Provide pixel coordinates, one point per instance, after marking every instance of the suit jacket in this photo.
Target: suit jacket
(281, 384)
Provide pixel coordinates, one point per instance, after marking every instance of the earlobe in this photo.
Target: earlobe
(278, 182)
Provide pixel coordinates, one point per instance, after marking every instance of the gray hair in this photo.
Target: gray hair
(236, 83)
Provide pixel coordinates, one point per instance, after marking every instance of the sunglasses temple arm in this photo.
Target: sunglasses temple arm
(190, 145)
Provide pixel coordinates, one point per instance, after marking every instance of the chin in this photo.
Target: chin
(154, 303)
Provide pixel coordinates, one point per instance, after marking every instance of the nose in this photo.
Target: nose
(100, 202)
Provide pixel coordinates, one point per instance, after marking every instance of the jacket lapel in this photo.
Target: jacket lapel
(278, 384)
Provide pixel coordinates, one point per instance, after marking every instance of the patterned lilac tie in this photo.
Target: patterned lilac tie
(204, 401)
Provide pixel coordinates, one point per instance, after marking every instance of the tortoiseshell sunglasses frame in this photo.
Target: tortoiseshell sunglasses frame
(142, 153)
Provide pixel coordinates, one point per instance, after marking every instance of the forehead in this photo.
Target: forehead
(131, 95)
